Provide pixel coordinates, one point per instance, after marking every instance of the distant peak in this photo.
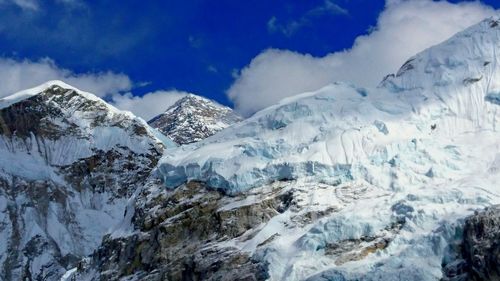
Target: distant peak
(193, 118)
(50, 84)
(59, 83)
(193, 97)
(195, 100)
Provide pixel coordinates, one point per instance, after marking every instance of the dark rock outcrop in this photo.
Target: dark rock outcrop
(193, 118)
(479, 256)
(179, 235)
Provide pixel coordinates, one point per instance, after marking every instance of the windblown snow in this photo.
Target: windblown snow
(422, 148)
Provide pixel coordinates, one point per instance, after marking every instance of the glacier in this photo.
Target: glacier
(334, 132)
(418, 153)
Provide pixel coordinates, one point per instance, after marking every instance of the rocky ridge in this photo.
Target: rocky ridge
(476, 256)
(193, 118)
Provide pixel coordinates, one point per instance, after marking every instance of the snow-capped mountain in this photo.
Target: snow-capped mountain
(193, 118)
(343, 183)
(69, 162)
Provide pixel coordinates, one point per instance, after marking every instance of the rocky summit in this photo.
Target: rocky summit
(193, 118)
(398, 182)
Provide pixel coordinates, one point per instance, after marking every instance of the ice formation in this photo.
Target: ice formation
(423, 147)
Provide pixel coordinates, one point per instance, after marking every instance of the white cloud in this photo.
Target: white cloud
(27, 4)
(18, 75)
(403, 29)
(34, 5)
(149, 105)
(72, 4)
(212, 69)
(288, 29)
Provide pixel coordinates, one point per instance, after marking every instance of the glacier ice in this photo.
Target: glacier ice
(327, 134)
(411, 144)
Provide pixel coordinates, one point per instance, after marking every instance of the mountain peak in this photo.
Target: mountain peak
(467, 57)
(24, 94)
(191, 96)
(193, 118)
(69, 163)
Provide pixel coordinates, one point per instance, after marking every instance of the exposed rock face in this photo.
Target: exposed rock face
(69, 164)
(479, 256)
(195, 233)
(180, 234)
(194, 118)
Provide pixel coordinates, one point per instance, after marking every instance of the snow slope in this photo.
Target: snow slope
(405, 162)
(332, 133)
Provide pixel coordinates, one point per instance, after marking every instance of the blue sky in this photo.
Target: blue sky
(188, 45)
(194, 46)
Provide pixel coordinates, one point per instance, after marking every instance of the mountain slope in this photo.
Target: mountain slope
(442, 92)
(69, 164)
(194, 118)
(343, 183)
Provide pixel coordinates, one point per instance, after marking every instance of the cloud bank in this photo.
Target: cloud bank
(19, 75)
(404, 28)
